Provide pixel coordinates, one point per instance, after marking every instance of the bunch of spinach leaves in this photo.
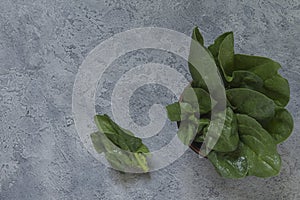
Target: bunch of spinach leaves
(256, 120)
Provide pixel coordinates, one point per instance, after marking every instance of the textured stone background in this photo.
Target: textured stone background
(44, 42)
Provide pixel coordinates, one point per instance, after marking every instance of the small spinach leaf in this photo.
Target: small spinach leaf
(188, 130)
(277, 88)
(228, 139)
(197, 36)
(179, 111)
(226, 56)
(197, 78)
(199, 99)
(119, 159)
(281, 125)
(203, 123)
(215, 48)
(121, 147)
(223, 53)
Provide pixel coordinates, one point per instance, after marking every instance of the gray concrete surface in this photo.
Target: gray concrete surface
(44, 42)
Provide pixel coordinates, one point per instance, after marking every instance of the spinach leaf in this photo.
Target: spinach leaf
(252, 103)
(226, 56)
(275, 86)
(202, 128)
(119, 159)
(187, 130)
(98, 143)
(179, 111)
(263, 67)
(223, 53)
(246, 79)
(197, 78)
(118, 136)
(231, 164)
(203, 123)
(281, 125)
(259, 148)
(122, 149)
(228, 139)
(256, 155)
(199, 99)
(201, 57)
(215, 48)
(197, 36)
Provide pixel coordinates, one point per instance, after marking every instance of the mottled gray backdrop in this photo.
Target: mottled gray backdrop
(43, 43)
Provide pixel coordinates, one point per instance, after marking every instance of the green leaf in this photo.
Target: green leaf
(215, 48)
(281, 125)
(188, 130)
(203, 123)
(119, 159)
(98, 142)
(198, 81)
(223, 53)
(197, 78)
(117, 135)
(277, 88)
(122, 149)
(263, 67)
(179, 111)
(228, 139)
(197, 36)
(231, 164)
(256, 155)
(274, 85)
(202, 58)
(226, 55)
(252, 103)
(246, 79)
(125, 161)
(259, 148)
(199, 99)
(202, 128)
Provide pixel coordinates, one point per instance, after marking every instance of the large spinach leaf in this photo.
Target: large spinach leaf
(246, 79)
(263, 71)
(230, 165)
(256, 155)
(259, 149)
(275, 86)
(252, 103)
